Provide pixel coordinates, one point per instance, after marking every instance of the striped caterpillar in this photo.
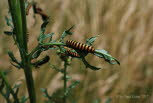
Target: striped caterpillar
(71, 53)
(80, 46)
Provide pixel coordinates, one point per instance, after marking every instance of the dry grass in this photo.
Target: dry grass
(125, 28)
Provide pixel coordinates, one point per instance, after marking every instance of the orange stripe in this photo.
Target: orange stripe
(89, 50)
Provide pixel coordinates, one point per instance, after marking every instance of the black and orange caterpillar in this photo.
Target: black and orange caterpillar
(71, 53)
(80, 46)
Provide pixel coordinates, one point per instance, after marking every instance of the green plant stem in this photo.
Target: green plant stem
(30, 82)
(17, 8)
(54, 43)
(32, 52)
(65, 81)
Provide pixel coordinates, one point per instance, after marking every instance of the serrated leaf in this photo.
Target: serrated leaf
(88, 65)
(107, 57)
(45, 36)
(91, 40)
(66, 33)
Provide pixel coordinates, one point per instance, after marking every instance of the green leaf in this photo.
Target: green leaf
(97, 100)
(6, 71)
(8, 92)
(17, 66)
(12, 57)
(23, 99)
(26, 4)
(107, 57)
(16, 86)
(67, 32)
(44, 90)
(37, 53)
(73, 85)
(88, 65)
(90, 41)
(56, 68)
(42, 61)
(9, 22)
(2, 84)
(108, 100)
(45, 36)
(43, 27)
(67, 77)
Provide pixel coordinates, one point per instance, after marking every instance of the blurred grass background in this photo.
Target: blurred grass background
(125, 29)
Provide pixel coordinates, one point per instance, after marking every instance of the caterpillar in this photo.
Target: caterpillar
(80, 46)
(42, 61)
(72, 54)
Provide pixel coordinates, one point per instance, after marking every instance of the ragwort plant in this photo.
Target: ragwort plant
(16, 20)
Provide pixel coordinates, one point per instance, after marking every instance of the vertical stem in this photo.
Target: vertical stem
(65, 81)
(30, 82)
(17, 8)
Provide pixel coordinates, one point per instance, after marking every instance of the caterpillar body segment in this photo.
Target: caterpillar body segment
(80, 46)
(71, 53)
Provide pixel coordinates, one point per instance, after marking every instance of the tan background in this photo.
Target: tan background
(126, 32)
